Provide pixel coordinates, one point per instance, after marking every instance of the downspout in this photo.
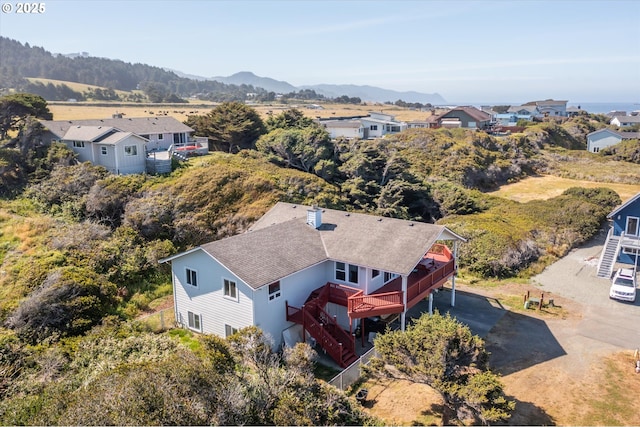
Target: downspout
(453, 278)
(403, 317)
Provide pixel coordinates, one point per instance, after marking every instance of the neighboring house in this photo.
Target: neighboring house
(604, 138)
(461, 117)
(349, 129)
(551, 108)
(161, 132)
(304, 271)
(625, 121)
(377, 125)
(623, 240)
(119, 152)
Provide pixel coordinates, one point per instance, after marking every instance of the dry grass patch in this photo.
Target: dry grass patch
(548, 186)
(401, 402)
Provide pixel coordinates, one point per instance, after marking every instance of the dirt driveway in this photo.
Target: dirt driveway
(557, 367)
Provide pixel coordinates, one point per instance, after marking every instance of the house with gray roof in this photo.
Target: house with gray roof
(625, 121)
(603, 138)
(119, 152)
(160, 131)
(312, 273)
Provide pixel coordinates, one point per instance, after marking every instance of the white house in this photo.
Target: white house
(604, 138)
(625, 121)
(119, 152)
(314, 271)
(377, 125)
(350, 129)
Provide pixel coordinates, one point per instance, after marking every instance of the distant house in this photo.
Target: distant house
(550, 108)
(375, 125)
(604, 138)
(161, 132)
(164, 135)
(623, 240)
(349, 129)
(119, 152)
(302, 271)
(461, 117)
(625, 121)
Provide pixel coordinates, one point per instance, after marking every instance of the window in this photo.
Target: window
(103, 151)
(630, 251)
(341, 271)
(375, 273)
(194, 321)
(373, 127)
(130, 150)
(228, 330)
(388, 276)
(274, 290)
(230, 290)
(161, 136)
(353, 273)
(78, 144)
(192, 277)
(632, 226)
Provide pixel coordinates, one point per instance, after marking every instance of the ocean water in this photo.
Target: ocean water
(605, 107)
(590, 107)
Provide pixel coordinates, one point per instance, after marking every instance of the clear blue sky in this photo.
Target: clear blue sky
(476, 51)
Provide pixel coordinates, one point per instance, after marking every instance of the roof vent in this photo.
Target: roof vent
(314, 217)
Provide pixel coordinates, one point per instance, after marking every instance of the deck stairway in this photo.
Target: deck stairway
(334, 340)
(608, 256)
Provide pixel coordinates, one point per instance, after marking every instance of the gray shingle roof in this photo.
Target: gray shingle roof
(86, 133)
(281, 243)
(137, 125)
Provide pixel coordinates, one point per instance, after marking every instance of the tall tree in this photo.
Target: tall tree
(443, 353)
(15, 108)
(230, 127)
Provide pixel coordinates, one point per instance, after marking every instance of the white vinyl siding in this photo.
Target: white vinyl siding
(207, 299)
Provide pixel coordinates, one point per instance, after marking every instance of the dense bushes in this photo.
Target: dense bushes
(507, 238)
(70, 301)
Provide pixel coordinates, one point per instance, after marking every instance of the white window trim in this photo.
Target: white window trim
(272, 296)
(191, 321)
(160, 136)
(344, 271)
(228, 328)
(78, 144)
(349, 274)
(187, 274)
(224, 290)
(130, 146)
(626, 225)
(103, 150)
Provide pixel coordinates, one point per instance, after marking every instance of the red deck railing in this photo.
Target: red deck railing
(337, 342)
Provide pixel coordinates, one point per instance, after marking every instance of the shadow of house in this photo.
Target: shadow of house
(515, 341)
(519, 342)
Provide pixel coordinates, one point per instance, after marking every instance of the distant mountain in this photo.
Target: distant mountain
(372, 93)
(366, 93)
(248, 78)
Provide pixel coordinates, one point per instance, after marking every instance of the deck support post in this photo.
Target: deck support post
(430, 303)
(453, 278)
(403, 316)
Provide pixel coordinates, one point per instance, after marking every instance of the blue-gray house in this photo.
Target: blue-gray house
(623, 240)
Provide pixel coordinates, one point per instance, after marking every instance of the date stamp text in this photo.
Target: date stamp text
(32, 8)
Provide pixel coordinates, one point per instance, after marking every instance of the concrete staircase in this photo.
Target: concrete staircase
(608, 256)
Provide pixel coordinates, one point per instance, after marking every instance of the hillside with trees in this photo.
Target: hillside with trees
(79, 251)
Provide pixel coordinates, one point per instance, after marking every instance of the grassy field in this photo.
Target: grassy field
(101, 110)
(547, 186)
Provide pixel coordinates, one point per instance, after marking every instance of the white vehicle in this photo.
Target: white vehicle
(623, 285)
